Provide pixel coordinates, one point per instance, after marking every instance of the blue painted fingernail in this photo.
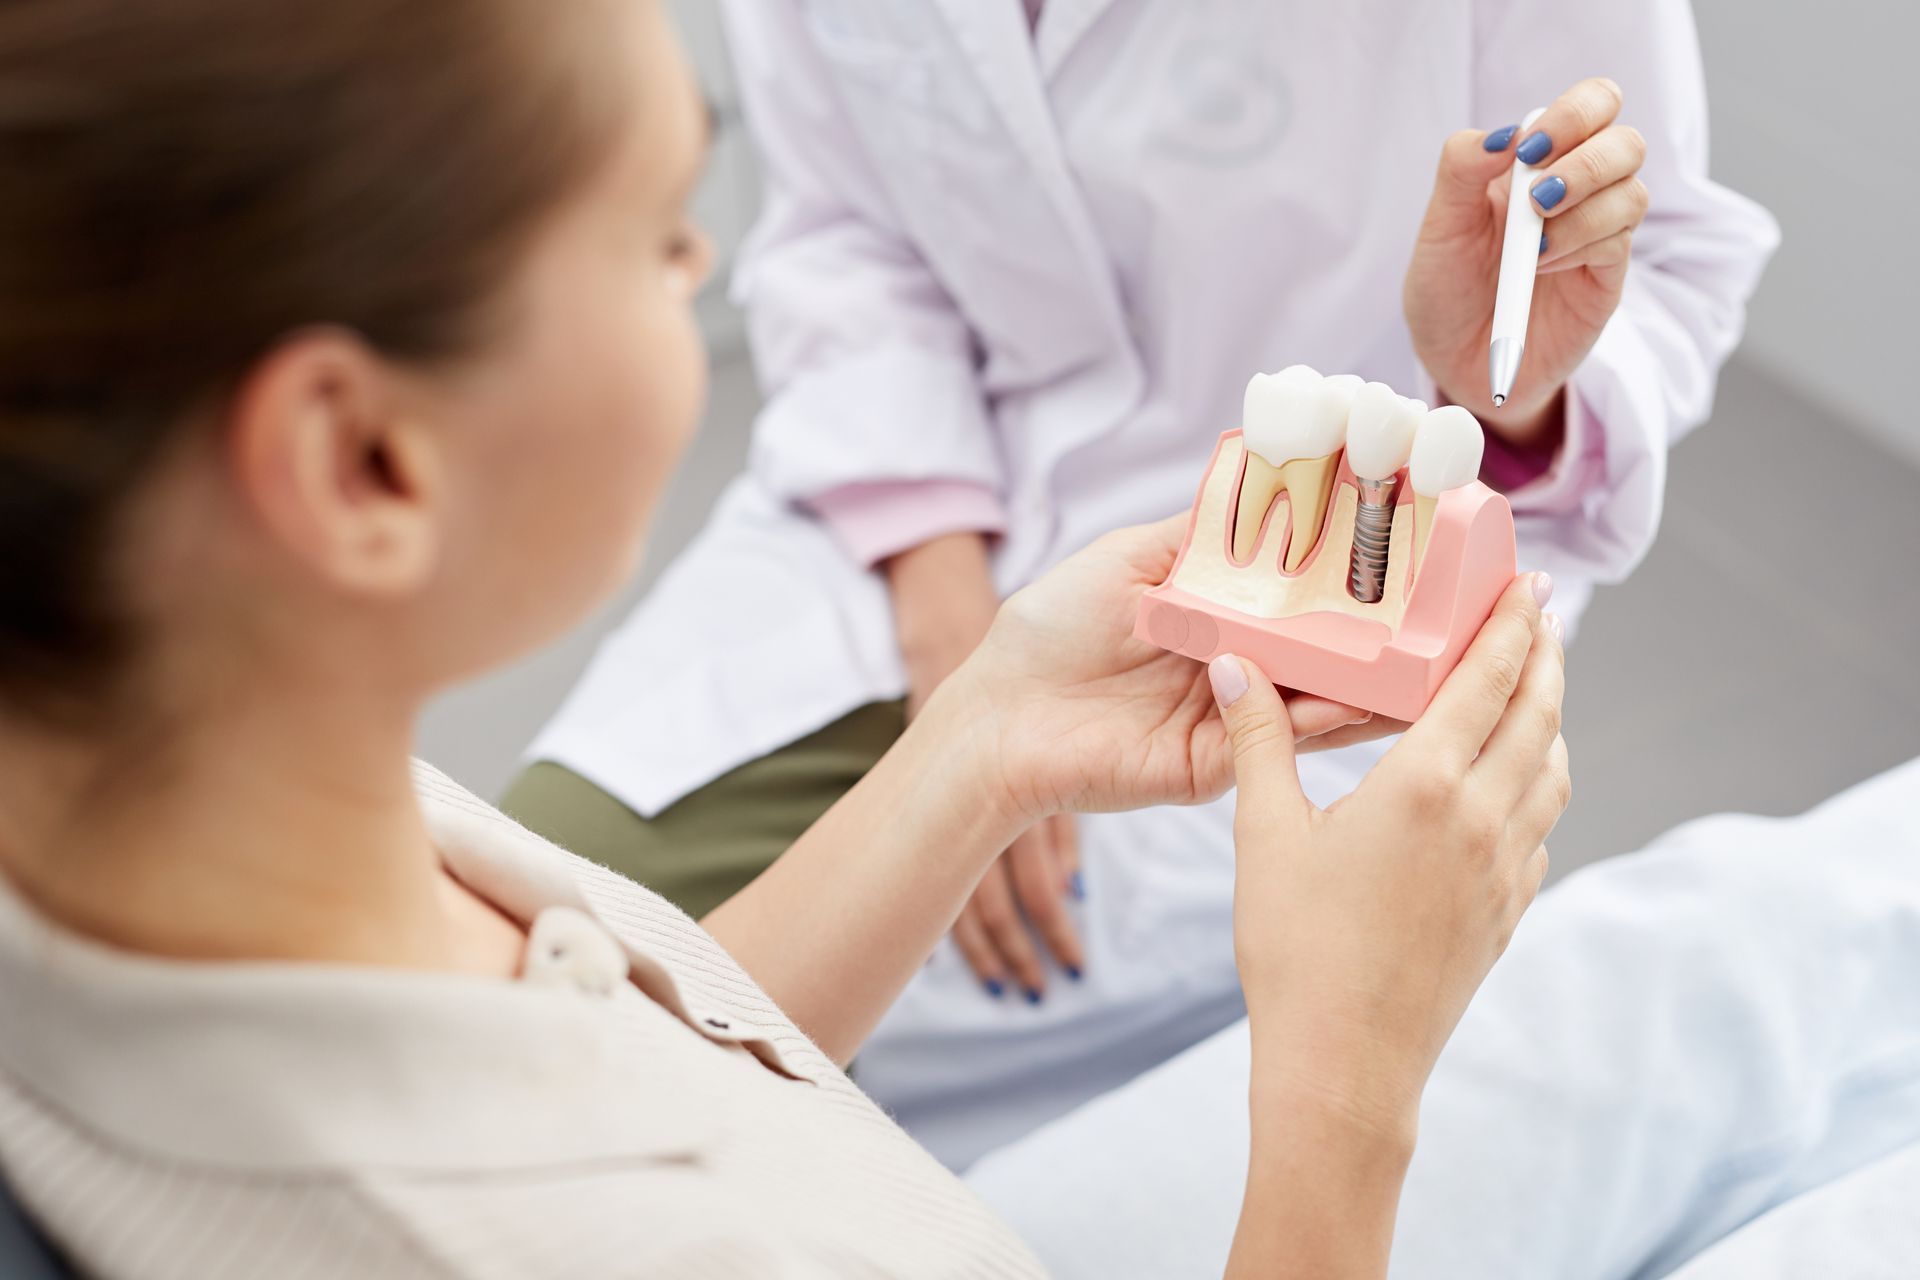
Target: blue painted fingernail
(1499, 138)
(1550, 192)
(1033, 997)
(994, 988)
(1535, 148)
(1073, 973)
(1543, 242)
(1079, 887)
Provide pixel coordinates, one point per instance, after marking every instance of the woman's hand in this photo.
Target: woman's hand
(1584, 183)
(1362, 931)
(943, 603)
(1083, 717)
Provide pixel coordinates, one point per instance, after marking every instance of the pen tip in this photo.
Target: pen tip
(1498, 401)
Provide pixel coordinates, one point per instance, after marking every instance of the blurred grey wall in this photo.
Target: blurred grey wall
(1809, 106)
(730, 193)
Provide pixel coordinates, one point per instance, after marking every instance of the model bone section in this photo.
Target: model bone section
(1293, 425)
(1447, 448)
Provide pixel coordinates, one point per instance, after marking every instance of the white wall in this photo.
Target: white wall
(1812, 116)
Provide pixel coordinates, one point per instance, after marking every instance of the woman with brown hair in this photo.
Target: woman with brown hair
(343, 350)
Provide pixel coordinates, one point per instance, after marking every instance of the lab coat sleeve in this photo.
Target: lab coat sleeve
(868, 368)
(1650, 377)
(873, 522)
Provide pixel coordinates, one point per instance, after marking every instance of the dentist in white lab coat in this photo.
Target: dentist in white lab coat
(1016, 263)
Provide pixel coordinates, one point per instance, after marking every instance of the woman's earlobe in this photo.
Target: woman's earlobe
(400, 510)
(332, 471)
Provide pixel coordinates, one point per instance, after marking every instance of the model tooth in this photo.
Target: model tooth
(1294, 424)
(1263, 431)
(1263, 425)
(1345, 386)
(1447, 448)
(1318, 407)
(1380, 431)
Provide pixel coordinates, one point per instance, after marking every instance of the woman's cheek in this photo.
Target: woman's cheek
(677, 398)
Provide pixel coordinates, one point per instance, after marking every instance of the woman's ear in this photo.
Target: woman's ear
(333, 472)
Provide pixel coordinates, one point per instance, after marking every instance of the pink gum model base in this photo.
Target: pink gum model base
(1467, 563)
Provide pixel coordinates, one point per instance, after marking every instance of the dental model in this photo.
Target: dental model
(1294, 423)
(1447, 448)
(1388, 559)
(1380, 431)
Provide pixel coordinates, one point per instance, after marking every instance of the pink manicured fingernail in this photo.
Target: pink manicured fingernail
(1558, 627)
(1228, 678)
(1542, 588)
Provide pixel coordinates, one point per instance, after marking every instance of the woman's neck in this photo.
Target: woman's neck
(274, 831)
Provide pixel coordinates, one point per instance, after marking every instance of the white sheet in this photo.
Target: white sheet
(1865, 1226)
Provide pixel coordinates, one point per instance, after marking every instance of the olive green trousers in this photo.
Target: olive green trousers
(701, 849)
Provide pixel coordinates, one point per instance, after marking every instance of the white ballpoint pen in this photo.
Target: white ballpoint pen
(1519, 258)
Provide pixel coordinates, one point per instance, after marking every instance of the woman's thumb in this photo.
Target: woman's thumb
(1258, 728)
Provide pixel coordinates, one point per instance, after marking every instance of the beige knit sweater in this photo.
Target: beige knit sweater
(164, 1120)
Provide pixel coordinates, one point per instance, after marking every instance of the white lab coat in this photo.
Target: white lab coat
(1046, 263)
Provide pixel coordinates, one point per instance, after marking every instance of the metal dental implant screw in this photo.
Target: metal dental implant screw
(1372, 533)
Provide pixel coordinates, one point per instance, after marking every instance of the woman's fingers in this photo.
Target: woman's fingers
(1066, 853)
(1006, 931)
(1527, 879)
(1041, 890)
(1261, 735)
(1601, 257)
(1611, 156)
(1372, 729)
(1546, 798)
(1570, 120)
(1150, 549)
(978, 951)
(1475, 695)
(1516, 751)
(1313, 716)
(1620, 207)
(1026, 887)
(1468, 162)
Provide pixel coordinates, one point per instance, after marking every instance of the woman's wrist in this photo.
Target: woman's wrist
(1323, 1189)
(1360, 1084)
(957, 740)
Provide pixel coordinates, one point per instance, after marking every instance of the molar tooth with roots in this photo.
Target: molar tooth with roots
(1293, 427)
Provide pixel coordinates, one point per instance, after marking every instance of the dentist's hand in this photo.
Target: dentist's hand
(1584, 182)
(944, 601)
